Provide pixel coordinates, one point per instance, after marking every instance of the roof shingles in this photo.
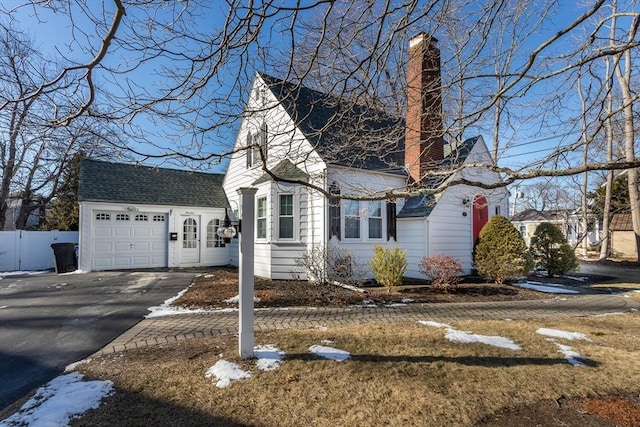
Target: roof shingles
(125, 183)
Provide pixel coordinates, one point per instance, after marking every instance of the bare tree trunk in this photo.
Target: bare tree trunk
(624, 80)
(604, 247)
(584, 220)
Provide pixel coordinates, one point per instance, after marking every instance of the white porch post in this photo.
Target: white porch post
(247, 200)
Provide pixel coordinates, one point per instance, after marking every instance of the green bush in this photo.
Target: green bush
(551, 251)
(388, 266)
(501, 253)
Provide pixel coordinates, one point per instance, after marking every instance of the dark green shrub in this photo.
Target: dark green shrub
(551, 251)
(501, 253)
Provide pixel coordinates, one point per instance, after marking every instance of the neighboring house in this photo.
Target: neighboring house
(294, 129)
(623, 238)
(14, 203)
(141, 217)
(567, 220)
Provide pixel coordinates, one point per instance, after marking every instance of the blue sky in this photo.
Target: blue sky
(54, 33)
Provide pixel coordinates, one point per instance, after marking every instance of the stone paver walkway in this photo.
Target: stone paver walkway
(160, 330)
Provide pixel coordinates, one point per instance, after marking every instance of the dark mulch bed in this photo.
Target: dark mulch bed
(597, 412)
(216, 287)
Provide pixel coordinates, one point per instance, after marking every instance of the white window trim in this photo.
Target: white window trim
(296, 217)
(266, 217)
(363, 218)
(382, 223)
(343, 220)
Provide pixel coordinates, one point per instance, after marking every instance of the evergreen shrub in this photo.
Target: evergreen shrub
(551, 252)
(501, 253)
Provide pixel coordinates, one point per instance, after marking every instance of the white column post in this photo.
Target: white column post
(245, 339)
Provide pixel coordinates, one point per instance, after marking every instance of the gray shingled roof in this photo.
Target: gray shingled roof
(284, 170)
(329, 122)
(534, 215)
(421, 206)
(125, 183)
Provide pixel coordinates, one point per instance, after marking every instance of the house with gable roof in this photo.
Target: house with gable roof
(134, 216)
(303, 137)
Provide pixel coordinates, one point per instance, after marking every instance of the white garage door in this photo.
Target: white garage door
(129, 240)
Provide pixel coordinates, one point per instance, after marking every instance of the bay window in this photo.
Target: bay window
(285, 218)
(261, 228)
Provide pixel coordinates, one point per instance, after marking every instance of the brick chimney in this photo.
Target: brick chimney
(424, 144)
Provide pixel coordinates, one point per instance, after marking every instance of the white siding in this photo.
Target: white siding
(413, 236)
(172, 249)
(352, 182)
(273, 258)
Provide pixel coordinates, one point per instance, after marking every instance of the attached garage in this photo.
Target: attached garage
(135, 217)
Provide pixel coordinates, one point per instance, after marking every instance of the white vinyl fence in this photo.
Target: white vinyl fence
(31, 250)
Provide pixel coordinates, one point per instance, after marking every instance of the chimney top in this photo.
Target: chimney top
(421, 37)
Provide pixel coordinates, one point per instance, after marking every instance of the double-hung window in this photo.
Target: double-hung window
(285, 219)
(351, 219)
(261, 229)
(375, 219)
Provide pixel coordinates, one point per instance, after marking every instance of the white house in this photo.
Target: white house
(142, 217)
(569, 221)
(309, 142)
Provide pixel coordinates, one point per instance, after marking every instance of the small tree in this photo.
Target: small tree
(388, 266)
(551, 251)
(442, 269)
(501, 253)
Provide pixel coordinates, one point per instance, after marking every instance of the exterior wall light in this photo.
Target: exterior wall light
(465, 201)
(226, 231)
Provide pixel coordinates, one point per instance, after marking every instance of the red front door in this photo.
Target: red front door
(480, 215)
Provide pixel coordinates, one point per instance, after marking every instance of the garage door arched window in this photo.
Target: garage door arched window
(189, 234)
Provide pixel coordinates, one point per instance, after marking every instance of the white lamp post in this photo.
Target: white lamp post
(247, 205)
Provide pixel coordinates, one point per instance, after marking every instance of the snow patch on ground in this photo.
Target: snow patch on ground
(548, 288)
(269, 357)
(557, 333)
(236, 300)
(572, 356)
(72, 366)
(226, 372)
(464, 337)
(330, 353)
(59, 401)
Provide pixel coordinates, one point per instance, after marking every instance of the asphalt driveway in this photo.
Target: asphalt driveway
(48, 321)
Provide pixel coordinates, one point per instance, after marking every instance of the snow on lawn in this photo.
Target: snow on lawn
(569, 353)
(557, 333)
(330, 353)
(236, 300)
(60, 400)
(572, 356)
(269, 357)
(226, 372)
(464, 337)
(548, 288)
